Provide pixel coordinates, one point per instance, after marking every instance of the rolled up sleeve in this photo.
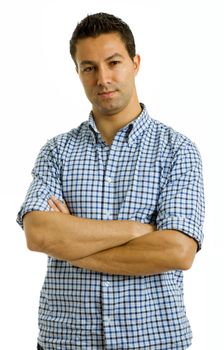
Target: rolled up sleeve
(46, 182)
(181, 202)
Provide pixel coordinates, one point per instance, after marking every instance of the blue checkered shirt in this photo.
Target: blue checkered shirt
(150, 174)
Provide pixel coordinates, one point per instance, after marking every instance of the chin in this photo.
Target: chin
(110, 110)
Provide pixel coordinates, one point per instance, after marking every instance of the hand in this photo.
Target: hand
(141, 229)
(58, 206)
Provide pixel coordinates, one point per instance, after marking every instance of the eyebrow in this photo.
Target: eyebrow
(115, 55)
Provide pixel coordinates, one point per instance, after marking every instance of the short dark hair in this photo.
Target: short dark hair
(102, 23)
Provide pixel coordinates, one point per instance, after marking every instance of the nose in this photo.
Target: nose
(104, 76)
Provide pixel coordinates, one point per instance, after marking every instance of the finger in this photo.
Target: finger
(62, 207)
(55, 204)
(52, 206)
(59, 204)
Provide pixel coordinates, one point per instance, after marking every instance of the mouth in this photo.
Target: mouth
(107, 94)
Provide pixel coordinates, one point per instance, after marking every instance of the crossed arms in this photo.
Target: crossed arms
(115, 247)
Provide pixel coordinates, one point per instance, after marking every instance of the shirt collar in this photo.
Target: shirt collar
(132, 130)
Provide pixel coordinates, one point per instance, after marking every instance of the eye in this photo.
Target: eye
(114, 63)
(88, 69)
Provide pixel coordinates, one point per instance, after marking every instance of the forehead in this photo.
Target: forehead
(99, 48)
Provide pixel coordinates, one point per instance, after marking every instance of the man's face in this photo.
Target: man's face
(107, 73)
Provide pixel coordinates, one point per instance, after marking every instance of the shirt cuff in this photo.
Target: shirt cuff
(183, 224)
(38, 205)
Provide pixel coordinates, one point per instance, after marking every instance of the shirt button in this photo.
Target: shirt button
(107, 215)
(107, 321)
(107, 284)
(108, 179)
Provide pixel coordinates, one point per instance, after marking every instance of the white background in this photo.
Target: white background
(181, 82)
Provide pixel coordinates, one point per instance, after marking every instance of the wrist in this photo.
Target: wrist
(140, 229)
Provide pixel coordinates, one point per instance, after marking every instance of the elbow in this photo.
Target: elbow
(186, 256)
(31, 242)
(185, 264)
(33, 235)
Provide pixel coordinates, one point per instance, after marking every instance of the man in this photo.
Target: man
(117, 205)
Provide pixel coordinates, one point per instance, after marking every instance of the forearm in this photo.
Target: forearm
(67, 237)
(154, 253)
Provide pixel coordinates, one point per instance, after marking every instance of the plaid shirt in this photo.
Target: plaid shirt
(150, 174)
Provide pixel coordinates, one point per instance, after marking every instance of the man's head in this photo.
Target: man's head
(102, 23)
(103, 49)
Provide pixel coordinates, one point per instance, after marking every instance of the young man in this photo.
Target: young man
(125, 194)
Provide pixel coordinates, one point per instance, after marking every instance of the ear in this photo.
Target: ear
(76, 68)
(136, 62)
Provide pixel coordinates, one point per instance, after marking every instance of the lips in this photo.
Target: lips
(107, 93)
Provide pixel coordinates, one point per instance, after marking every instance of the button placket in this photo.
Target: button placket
(108, 213)
(108, 302)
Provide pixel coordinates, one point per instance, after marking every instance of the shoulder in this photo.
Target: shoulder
(170, 141)
(64, 143)
(168, 134)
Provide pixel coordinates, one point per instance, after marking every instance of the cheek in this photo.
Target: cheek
(127, 79)
(87, 84)
(125, 75)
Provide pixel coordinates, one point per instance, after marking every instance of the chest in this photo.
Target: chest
(121, 182)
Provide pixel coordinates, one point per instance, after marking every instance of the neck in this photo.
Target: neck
(109, 125)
